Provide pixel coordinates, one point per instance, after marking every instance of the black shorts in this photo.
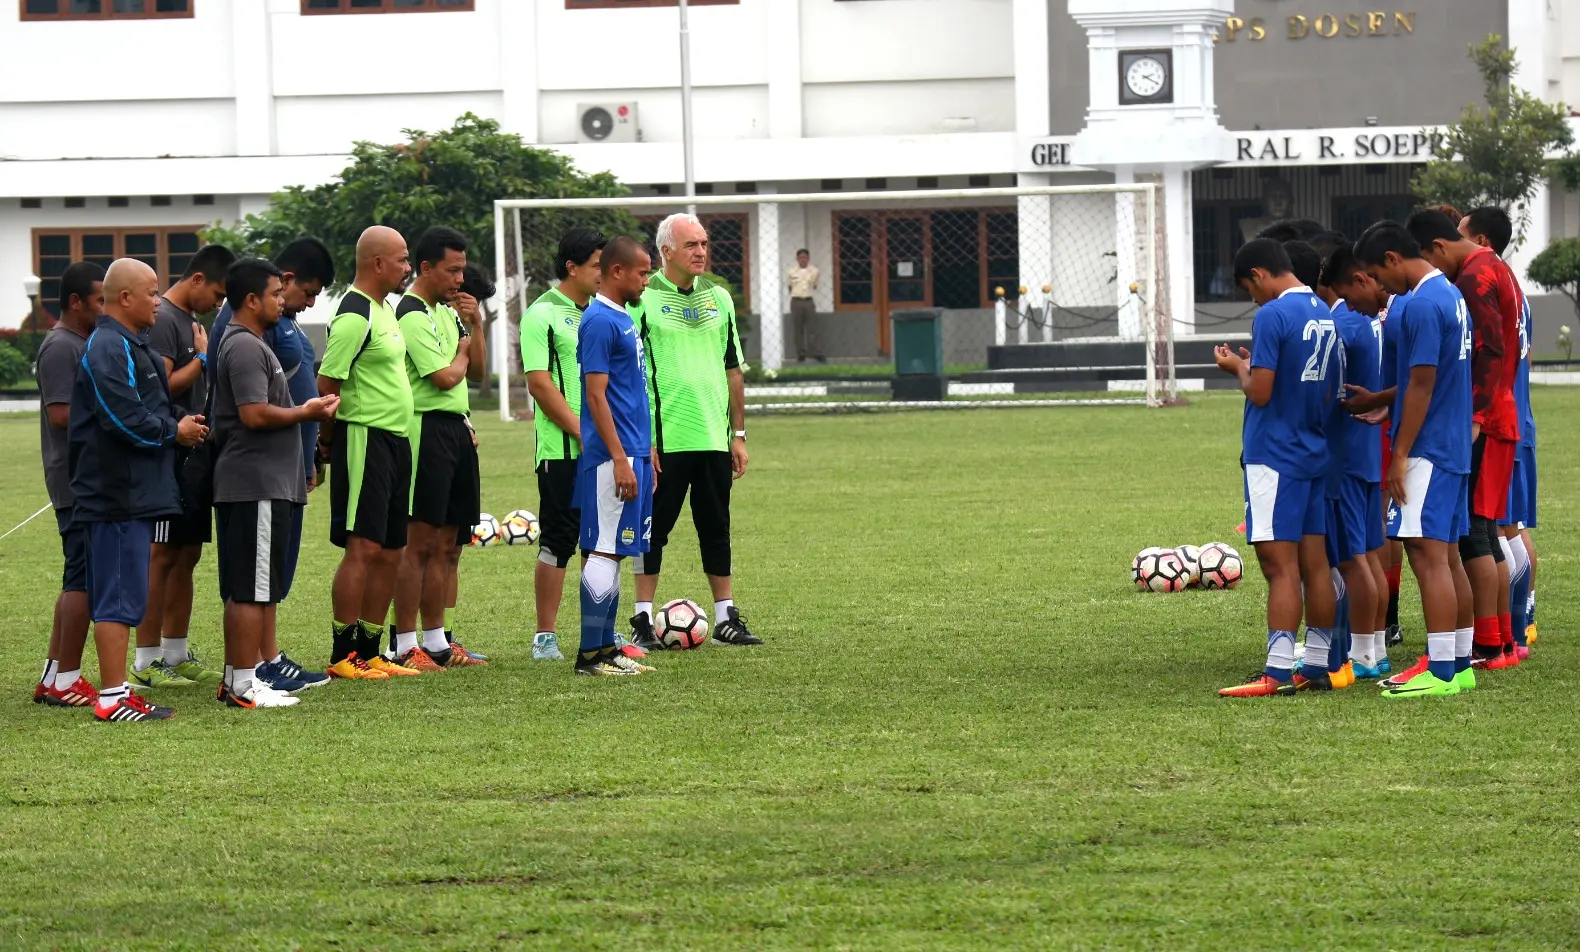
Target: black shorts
(254, 550)
(444, 481)
(193, 527)
(369, 485)
(557, 512)
(707, 475)
(74, 546)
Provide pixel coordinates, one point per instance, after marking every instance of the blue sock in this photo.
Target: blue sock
(600, 594)
(1460, 664)
(1519, 590)
(609, 620)
(1280, 655)
(1446, 670)
(1338, 647)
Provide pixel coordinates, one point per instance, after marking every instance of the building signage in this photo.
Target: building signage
(1321, 26)
(1049, 153)
(1334, 146)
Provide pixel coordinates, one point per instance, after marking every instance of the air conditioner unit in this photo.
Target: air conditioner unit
(607, 122)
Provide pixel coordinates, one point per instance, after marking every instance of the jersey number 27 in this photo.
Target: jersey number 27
(1326, 335)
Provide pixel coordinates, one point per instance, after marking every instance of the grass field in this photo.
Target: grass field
(967, 731)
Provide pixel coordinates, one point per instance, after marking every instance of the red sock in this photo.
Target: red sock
(1487, 633)
(1392, 572)
(1506, 630)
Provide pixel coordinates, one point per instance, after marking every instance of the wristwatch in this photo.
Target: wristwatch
(740, 434)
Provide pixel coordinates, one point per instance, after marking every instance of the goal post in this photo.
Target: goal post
(1056, 289)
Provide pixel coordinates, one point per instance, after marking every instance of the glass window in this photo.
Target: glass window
(167, 250)
(853, 254)
(383, 6)
(616, 4)
(105, 9)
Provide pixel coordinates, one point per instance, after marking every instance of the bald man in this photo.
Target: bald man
(368, 454)
(123, 435)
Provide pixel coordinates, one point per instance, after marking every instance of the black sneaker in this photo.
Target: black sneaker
(733, 631)
(600, 665)
(642, 634)
(1395, 636)
(132, 707)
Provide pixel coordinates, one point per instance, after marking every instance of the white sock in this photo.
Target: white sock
(1463, 638)
(227, 677)
(48, 674)
(433, 640)
(1317, 642)
(109, 697)
(1379, 646)
(1441, 645)
(645, 607)
(175, 650)
(1361, 648)
(65, 679)
(405, 641)
(1281, 652)
(241, 679)
(1518, 555)
(145, 657)
(721, 611)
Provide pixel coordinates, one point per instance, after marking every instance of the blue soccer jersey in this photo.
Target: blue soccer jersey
(1522, 377)
(1362, 338)
(1294, 337)
(1435, 332)
(607, 343)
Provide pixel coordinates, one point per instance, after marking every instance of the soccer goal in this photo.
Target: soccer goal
(1035, 295)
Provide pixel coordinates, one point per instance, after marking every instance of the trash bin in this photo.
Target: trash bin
(919, 354)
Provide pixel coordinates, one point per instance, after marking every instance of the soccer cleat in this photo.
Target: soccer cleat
(1259, 684)
(40, 692)
(1394, 636)
(1368, 672)
(353, 668)
(633, 652)
(80, 694)
(192, 669)
(296, 672)
(1466, 680)
(642, 634)
(546, 647)
(601, 668)
(1384, 666)
(132, 707)
(270, 676)
(449, 637)
(1426, 684)
(391, 668)
(158, 675)
(1344, 677)
(1523, 652)
(1530, 634)
(628, 665)
(257, 695)
(1407, 675)
(461, 658)
(1318, 681)
(419, 660)
(733, 631)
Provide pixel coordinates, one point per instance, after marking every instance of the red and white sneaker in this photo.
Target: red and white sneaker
(132, 707)
(1404, 677)
(40, 692)
(80, 694)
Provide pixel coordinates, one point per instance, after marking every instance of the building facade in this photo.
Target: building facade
(232, 100)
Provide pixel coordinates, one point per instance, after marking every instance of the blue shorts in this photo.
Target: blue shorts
(1281, 509)
(1438, 505)
(117, 571)
(74, 546)
(609, 524)
(1357, 524)
(1522, 490)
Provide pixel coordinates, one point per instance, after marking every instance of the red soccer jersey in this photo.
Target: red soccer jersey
(1494, 300)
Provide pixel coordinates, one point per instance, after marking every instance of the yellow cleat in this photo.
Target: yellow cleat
(1530, 634)
(352, 668)
(1344, 677)
(391, 669)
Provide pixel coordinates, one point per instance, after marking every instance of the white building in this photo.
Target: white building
(127, 125)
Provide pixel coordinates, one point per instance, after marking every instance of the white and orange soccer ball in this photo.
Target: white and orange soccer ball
(1161, 571)
(1135, 563)
(1190, 555)
(486, 532)
(1221, 566)
(681, 624)
(520, 527)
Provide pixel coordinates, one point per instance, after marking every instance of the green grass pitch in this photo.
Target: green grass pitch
(967, 731)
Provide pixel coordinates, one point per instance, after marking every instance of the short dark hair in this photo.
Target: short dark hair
(1383, 237)
(1292, 229)
(802, 251)
(78, 278)
(475, 281)
(1304, 261)
(1451, 211)
(249, 276)
(211, 261)
(1340, 268)
(1430, 224)
(577, 246)
(1264, 253)
(435, 243)
(621, 250)
(307, 259)
(1491, 223)
(1326, 241)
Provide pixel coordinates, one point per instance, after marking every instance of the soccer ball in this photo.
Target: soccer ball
(1191, 557)
(520, 528)
(486, 532)
(1221, 566)
(1163, 572)
(1135, 563)
(681, 624)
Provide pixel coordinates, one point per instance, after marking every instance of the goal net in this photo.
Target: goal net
(935, 298)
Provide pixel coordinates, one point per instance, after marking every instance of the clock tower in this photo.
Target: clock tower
(1152, 111)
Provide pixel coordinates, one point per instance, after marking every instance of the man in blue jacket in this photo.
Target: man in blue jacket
(123, 434)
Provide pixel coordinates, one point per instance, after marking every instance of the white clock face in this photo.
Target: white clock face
(1145, 77)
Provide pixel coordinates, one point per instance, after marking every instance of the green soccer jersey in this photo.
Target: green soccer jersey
(548, 343)
(432, 335)
(367, 354)
(691, 340)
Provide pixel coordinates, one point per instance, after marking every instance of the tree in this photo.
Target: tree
(1557, 268)
(442, 178)
(1496, 154)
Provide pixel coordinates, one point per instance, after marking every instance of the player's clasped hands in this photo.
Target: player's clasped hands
(1227, 360)
(191, 431)
(322, 409)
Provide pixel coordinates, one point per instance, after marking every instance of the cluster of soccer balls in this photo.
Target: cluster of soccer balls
(519, 527)
(1214, 565)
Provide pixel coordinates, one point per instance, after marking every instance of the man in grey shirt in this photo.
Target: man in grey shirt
(258, 480)
(81, 303)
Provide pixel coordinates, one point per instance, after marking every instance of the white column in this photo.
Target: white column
(1129, 305)
(253, 76)
(784, 69)
(769, 290)
(518, 68)
(1033, 104)
(1034, 229)
(1529, 35)
(1178, 263)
